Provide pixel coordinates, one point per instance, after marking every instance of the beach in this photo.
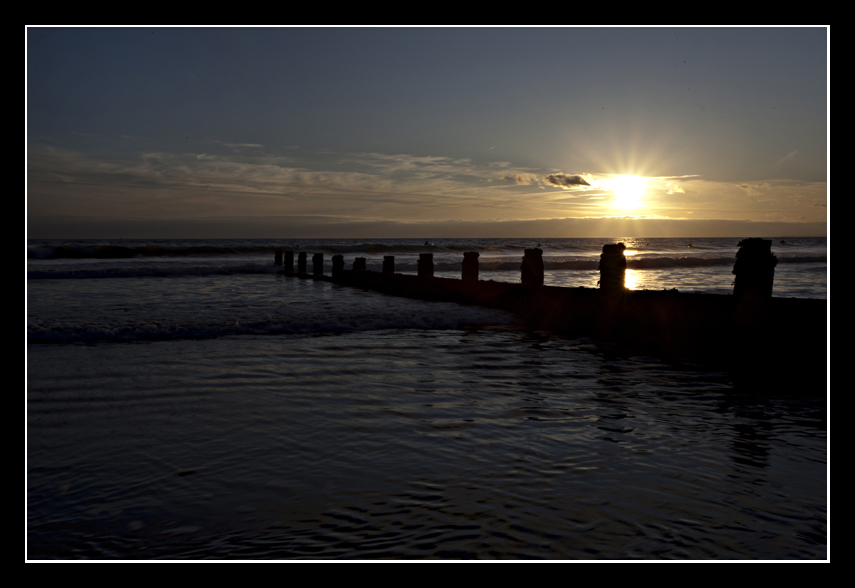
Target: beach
(186, 401)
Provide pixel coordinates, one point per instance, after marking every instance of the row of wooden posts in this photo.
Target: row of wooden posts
(532, 262)
(754, 267)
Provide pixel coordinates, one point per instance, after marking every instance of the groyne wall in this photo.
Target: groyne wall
(763, 343)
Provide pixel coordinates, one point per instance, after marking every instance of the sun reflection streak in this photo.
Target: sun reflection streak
(633, 279)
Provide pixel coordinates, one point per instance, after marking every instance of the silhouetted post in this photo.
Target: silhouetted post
(359, 264)
(301, 262)
(388, 265)
(613, 268)
(318, 264)
(288, 264)
(754, 269)
(752, 292)
(470, 266)
(425, 265)
(337, 265)
(752, 289)
(531, 270)
(277, 258)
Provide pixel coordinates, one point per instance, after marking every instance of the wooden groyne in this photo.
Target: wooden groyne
(765, 343)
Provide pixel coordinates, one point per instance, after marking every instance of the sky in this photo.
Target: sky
(426, 132)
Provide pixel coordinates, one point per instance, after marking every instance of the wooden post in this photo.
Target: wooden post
(613, 268)
(752, 289)
(754, 269)
(301, 262)
(425, 265)
(337, 265)
(277, 258)
(288, 264)
(531, 270)
(388, 265)
(359, 264)
(752, 295)
(470, 265)
(318, 264)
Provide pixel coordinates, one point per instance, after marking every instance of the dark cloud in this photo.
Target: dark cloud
(561, 180)
(564, 181)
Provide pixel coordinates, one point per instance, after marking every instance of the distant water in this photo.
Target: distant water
(185, 401)
(691, 264)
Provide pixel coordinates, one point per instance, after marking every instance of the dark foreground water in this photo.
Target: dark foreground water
(472, 443)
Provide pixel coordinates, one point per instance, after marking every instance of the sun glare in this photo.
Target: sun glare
(632, 279)
(628, 191)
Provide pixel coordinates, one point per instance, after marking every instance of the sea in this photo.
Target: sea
(187, 401)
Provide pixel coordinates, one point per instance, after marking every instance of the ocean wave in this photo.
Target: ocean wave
(803, 259)
(244, 247)
(127, 252)
(578, 254)
(451, 316)
(408, 265)
(149, 271)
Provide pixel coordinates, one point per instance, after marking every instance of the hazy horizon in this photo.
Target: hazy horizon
(556, 228)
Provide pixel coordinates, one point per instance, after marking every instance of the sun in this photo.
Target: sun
(628, 191)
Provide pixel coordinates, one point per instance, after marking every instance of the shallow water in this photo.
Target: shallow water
(476, 443)
(193, 408)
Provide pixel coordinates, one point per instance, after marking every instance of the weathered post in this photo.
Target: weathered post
(277, 258)
(754, 269)
(613, 268)
(301, 262)
(337, 265)
(752, 293)
(318, 264)
(531, 270)
(359, 264)
(388, 265)
(752, 289)
(425, 265)
(470, 266)
(289, 262)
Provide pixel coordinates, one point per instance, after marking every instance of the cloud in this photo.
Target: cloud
(521, 178)
(159, 184)
(789, 155)
(558, 180)
(185, 184)
(564, 181)
(238, 146)
(755, 189)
